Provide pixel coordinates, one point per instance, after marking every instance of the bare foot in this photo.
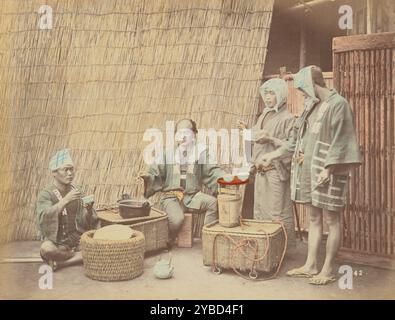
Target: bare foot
(75, 260)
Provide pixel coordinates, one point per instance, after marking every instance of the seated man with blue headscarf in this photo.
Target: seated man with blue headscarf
(63, 214)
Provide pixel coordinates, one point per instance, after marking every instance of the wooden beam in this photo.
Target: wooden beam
(22, 260)
(308, 5)
(383, 40)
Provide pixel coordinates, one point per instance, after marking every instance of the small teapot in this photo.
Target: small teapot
(163, 269)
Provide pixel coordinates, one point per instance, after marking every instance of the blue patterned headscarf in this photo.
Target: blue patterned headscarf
(60, 159)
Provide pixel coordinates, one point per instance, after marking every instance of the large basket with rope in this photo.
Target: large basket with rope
(113, 260)
(249, 249)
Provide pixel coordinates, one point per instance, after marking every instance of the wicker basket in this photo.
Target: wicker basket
(254, 232)
(198, 223)
(108, 217)
(113, 260)
(156, 232)
(154, 227)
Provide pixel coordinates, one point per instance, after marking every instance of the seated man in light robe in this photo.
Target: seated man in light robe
(181, 180)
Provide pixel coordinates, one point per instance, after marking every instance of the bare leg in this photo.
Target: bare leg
(50, 251)
(75, 260)
(314, 241)
(55, 255)
(333, 242)
(175, 214)
(315, 238)
(206, 203)
(209, 203)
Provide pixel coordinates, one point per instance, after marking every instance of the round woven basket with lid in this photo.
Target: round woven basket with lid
(113, 260)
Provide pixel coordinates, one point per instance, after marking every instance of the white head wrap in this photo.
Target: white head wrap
(304, 80)
(280, 88)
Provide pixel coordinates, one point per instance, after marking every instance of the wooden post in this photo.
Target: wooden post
(369, 16)
(283, 72)
(302, 53)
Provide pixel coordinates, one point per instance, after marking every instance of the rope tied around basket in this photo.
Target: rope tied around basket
(252, 244)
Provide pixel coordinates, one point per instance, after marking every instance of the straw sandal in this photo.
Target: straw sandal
(321, 280)
(300, 273)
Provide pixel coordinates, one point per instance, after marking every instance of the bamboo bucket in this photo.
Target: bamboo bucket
(229, 209)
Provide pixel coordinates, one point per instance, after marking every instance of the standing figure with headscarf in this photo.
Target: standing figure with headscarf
(325, 149)
(272, 196)
(62, 215)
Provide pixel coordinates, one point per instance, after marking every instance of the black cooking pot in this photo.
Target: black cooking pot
(130, 208)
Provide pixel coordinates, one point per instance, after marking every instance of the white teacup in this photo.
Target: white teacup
(243, 176)
(228, 178)
(88, 199)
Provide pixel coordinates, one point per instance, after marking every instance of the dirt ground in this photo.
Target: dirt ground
(191, 280)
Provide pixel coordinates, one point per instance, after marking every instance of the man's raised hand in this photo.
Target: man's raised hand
(72, 195)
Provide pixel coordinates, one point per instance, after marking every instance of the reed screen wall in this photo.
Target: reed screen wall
(107, 71)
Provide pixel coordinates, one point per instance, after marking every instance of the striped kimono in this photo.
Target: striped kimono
(325, 136)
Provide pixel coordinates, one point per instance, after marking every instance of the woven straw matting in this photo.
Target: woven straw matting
(105, 73)
(113, 260)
